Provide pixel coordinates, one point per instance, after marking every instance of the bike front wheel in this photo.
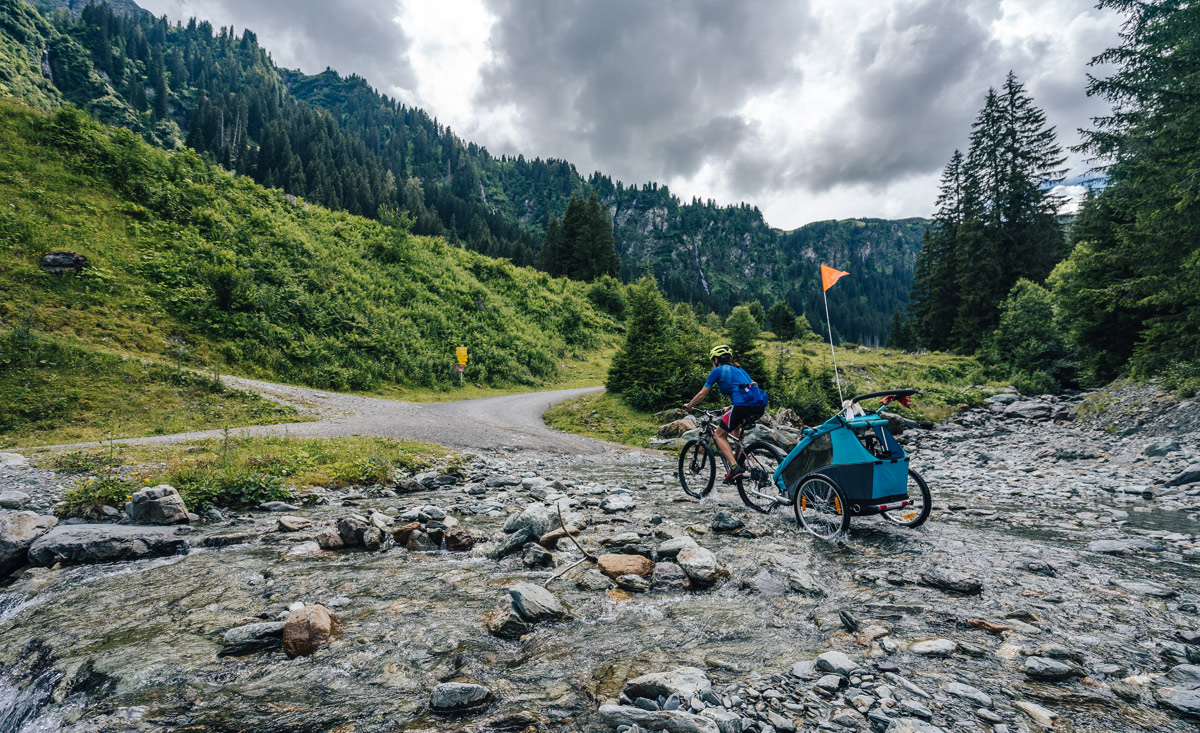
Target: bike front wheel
(697, 468)
(915, 514)
(821, 507)
(757, 484)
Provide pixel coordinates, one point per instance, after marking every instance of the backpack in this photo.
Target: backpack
(747, 393)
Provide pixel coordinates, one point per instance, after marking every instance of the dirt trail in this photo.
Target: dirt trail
(484, 423)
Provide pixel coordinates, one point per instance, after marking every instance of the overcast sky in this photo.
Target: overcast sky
(809, 109)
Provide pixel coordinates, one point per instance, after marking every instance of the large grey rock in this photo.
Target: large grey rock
(1185, 702)
(452, 696)
(541, 518)
(934, 648)
(13, 499)
(615, 503)
(536, 604)
(13, 459)
(700, 565)
(672, 547)
(160, 504)
(18, 530)
(513, 543)
(672, 721)
(1189, 475)
(1186, 676)
(61, 262)
(92, 543)
(684, 681)
(1028, 410)
(837, 663)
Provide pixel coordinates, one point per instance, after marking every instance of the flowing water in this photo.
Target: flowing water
(134, 646)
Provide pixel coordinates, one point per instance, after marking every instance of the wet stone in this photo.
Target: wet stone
(536, 604)
(934, 648)
(307, 629)
(458, 696)
(594, 580)
(160, 504)
(724, 522)
(951, 580)
(967, 692)
(837, 663)
(1042, 668)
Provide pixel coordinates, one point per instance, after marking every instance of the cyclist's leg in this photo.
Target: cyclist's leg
(721, 435)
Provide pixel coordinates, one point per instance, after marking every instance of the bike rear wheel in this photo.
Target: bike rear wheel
(757, 485)
(697, 468)
(821, 507)
(916, 513)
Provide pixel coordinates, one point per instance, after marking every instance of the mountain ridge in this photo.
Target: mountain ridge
(335, 140)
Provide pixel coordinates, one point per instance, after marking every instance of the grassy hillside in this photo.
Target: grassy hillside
(192, 264)
(55, 391)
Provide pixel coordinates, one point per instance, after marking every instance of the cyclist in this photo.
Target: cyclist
(748, 402)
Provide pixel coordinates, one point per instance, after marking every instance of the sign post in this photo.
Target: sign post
(461, 366)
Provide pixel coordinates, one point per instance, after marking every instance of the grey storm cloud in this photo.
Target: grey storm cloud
(351, 36)
(651, 88)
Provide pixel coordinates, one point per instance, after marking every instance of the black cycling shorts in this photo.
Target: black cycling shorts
(740, 415)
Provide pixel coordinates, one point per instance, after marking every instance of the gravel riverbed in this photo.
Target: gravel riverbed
(1055, 586)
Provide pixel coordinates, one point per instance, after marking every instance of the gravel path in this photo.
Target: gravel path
(487, 423)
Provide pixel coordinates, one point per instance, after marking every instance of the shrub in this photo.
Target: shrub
(1027, 345)
(86, 498)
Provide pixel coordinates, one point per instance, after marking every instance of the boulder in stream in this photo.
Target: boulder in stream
(701, 565)
(615, 565)
(951, 580)
(306, 630)
(92, 543)
(451, 697)
(675, 721)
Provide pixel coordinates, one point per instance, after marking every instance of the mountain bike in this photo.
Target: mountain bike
(698, 466)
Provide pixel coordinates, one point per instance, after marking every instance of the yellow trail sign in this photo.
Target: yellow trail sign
(461, 353)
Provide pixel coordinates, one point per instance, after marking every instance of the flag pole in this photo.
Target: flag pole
(829, 324)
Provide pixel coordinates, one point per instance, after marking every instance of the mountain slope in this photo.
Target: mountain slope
(336, 141)
(191, 263)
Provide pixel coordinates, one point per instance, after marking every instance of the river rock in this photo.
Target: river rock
(700, 565)
(676, 428)
(13, 459)
(1189, 475)
(1038, 714)
(505, 622)
(672, 547)
(1123, 546)
(669, 577)
(674, 721)
(536, 604)
(912, 725)
(277, 506)
(1183, 701)
(951, 580)
(838, 663)
(1043, 668)
(933, 648)
(726, 522)
(457, 696)
(615, 565)
(160, 504)
(683, 681)
(536, 556)
(19, 530)
(250, 638)
(1186, 676)
(92, 543)
(351, 529)
(540, 519)
(306, 630)
(513, 543)
(13, 499)
(459, 540)
(328, 538)
(967, 692)
(288, 523)
(1028, 410)
(595, 580)
(618, 503)
(401, 534)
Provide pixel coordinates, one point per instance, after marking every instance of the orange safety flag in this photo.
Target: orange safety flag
(829, 276)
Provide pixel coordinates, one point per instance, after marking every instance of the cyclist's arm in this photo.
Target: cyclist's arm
(700, 397)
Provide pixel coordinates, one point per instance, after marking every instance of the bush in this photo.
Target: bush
(86, 498)
(1027, 345)
(202, 487)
